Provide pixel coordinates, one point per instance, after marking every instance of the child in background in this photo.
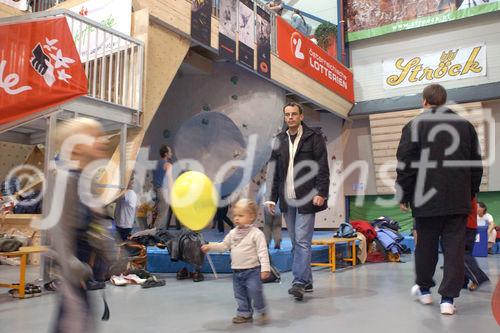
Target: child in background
(249, 261)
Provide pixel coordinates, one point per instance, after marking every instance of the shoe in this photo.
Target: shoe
(309, 288)
(142, 273)
(152, 282)
(52, 285)
(447, 308)
(297, 291)
(197, 277)
(183, 274)
(262, 319)
(242, 320)
(118, 280)
(473, 286)
(425, 299)
(134, 279)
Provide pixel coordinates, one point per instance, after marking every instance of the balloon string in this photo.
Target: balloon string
(210, 262)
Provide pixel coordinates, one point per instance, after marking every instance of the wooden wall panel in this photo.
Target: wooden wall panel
(386, 130)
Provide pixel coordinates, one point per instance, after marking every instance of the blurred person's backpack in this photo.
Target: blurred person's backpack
(275, 275)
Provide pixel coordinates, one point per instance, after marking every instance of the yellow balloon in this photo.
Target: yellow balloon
(194, 200)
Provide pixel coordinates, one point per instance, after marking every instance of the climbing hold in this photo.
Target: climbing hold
(166, 134)
(204, 121)
(206, 107)
(234, 79)
(235, 97)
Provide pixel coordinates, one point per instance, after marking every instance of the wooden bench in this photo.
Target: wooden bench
(331, 242)
(23, 253)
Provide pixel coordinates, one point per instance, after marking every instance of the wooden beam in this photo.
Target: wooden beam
(165, 52)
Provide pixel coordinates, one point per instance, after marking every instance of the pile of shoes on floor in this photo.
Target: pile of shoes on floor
(30, 290)
(139, 277)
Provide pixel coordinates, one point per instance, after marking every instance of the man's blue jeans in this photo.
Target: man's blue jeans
(300, 228)
(247, 290)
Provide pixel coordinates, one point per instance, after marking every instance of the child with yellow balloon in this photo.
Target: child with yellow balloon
(249, 261)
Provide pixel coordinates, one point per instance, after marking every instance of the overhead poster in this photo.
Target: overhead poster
(246, 33)
(201, 21)
(371, 18)
(263, 42)
(227, 28)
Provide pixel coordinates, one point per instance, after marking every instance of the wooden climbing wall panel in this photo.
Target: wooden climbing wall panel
(386, 130)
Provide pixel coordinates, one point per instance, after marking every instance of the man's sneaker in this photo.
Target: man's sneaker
(425, 298)
(447, 308)
(309, 288)
(297, 291)
(242, 320)
(262, 319)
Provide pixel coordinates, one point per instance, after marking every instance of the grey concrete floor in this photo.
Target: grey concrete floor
(370, 298)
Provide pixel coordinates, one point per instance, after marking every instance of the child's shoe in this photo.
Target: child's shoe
(262, 319)
(242, 320)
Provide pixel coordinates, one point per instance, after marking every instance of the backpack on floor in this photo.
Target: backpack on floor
(345, 231)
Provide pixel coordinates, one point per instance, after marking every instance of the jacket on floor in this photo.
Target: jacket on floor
(449, 142)
(186, 246)
(311, 147)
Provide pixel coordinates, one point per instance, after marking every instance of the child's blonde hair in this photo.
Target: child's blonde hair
(248, 205)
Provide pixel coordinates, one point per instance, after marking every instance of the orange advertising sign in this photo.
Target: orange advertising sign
(301, 53)
(39, 67)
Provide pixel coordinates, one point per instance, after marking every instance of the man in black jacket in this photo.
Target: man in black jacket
(439, 172)
(301, 181)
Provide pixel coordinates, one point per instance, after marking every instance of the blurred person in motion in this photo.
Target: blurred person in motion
(81, 143)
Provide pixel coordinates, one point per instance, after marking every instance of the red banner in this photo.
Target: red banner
(39, 67)
(301, 53)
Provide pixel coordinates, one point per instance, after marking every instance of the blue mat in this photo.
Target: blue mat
(159, 260)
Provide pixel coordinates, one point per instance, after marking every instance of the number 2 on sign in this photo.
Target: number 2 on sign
(10, 81)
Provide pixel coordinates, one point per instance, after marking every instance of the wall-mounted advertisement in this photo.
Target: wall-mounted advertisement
(228, 24)
(444, 65)
(201, 21)
(263, 42)
(371, 18)
(302, 54)
(246, 33)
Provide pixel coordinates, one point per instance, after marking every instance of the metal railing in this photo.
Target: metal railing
(113, 61)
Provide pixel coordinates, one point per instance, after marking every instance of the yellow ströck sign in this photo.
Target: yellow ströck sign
(441, 66)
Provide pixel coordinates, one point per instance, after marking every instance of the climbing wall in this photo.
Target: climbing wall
(12, 155)
(211, 118)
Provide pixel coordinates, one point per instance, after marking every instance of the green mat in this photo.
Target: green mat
(370, 211)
